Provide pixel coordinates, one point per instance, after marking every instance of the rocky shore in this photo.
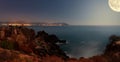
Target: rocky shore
(21, 44)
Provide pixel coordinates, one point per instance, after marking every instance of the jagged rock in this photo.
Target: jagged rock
(24, 39)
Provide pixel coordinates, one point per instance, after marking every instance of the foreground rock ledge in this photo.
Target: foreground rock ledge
(21, 44)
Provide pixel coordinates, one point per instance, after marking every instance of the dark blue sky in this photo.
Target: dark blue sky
(75, 12)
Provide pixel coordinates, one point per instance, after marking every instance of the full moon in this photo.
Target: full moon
(114, 5)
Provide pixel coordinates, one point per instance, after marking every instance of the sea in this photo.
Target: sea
(82, 41)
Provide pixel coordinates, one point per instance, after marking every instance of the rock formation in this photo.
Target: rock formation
(21, 44)
(24, 40)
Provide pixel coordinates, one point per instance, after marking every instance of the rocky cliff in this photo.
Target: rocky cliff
(25, 41)
(21, 44)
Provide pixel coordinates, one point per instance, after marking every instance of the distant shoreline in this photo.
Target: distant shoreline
(32, 24)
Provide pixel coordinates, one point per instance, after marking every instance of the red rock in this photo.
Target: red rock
(85, 60)
(72, 60)
(52, 59)
(99, 59)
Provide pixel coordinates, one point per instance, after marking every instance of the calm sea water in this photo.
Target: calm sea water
(83, 41)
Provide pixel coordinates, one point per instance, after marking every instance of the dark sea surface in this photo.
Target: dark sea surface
(83, 41)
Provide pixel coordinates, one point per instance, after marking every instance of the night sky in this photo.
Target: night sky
(74, 12)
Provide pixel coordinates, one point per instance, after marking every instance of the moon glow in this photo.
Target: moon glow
(114, 5)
